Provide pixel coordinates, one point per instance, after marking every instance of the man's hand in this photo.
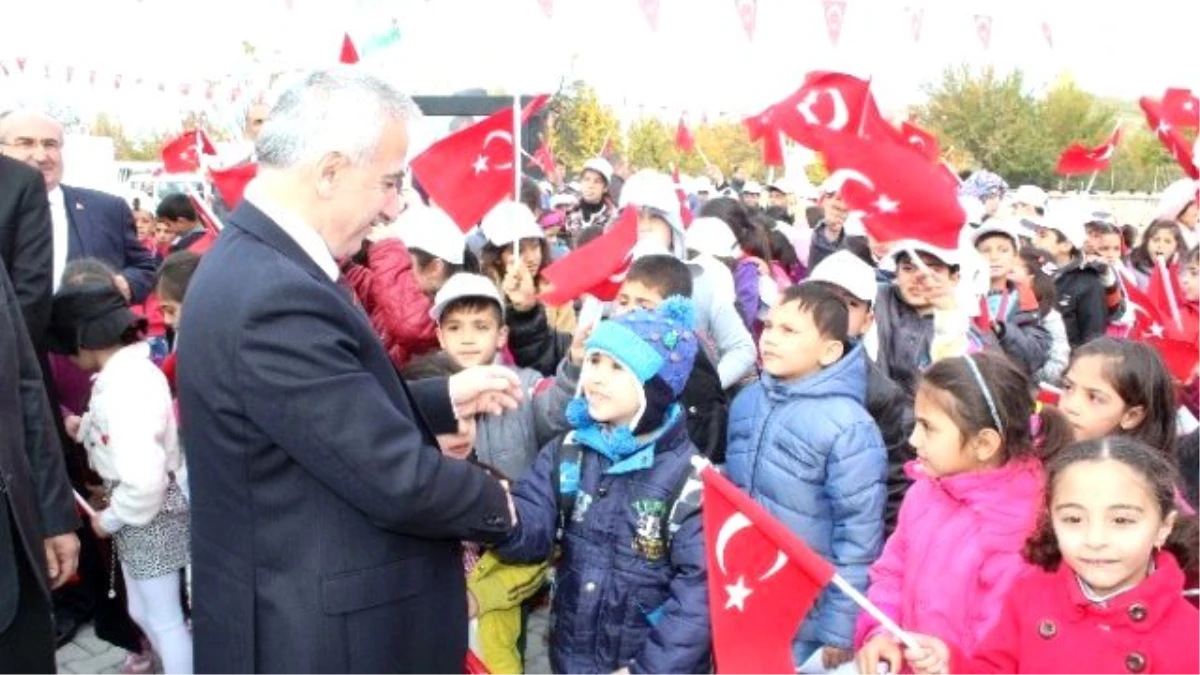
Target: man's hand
(484, 389)
(62, 558)
(519, 287)
(832, 657)
(123, 286)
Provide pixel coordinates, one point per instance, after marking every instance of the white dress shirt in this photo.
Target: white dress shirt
(295, 226)
(60, 226)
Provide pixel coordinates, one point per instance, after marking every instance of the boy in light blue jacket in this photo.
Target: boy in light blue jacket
(802, 444)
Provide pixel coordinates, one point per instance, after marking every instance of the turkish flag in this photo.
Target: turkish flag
(835, 15)
(685, 213)
(748, 12)
(598, 267)
(471, 170)
(829, 100)
(349, 54)
(182, 155)
(983, 29)
(901, 194)
(231, 183)
(762, 126)
(547, 7)
(1077, 159)
(1156, 324)
(762, 580)
(1181, 108)
(1169, 136)
(542, 157)
(922, 141)
(683, 137)
(1166, 294)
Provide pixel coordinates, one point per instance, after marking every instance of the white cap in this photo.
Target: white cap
(464, 285)
(711, 236)
(600, 166)
(973, 208)
(1031, 195)
(430, 230)
(846, 270)
(649, 189)
(781, 185)
(702, 184)
(1175, 199)
(1007, 227)
(562, 199)
(510, 221)
(1068, 218)
(752, 187)
(903, 246)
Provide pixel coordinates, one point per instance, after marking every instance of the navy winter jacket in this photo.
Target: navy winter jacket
(811, 455)
(622, 597)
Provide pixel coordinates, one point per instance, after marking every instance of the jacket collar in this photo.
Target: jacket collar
(847, 377)
(1139, 608)
(1007, 496)
(253, 221)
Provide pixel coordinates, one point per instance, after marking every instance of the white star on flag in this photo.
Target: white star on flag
(480, 164)
(738, 594)
(886, 204)
(1163, 128)
(1156, 330)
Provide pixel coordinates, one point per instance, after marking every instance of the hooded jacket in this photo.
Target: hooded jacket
(809, 452)
(1081, 301)
(956, 551)
(389, 292)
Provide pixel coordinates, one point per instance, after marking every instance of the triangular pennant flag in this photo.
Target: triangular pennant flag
(650, 10)
(835, 15)
(597, 268)
(983, 29)
(683, 136)
(1046, 33)
(547, 7)
(916, 16)
(748, 14)
(348, 55)
(762, 580)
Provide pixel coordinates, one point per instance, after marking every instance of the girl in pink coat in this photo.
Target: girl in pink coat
(1114, 556)
(956, 549)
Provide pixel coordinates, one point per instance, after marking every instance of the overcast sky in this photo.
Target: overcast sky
(699, 60)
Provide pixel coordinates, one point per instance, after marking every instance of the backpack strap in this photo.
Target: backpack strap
(685, 501)
(564, 478)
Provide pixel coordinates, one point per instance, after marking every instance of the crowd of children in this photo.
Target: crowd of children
(886, 403)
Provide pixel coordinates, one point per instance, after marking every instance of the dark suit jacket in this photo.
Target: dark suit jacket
(325, 523)
(102, 228)
(27, 242)
(34, 493)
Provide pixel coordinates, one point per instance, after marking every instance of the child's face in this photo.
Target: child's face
(915, 286)
(1000, 254)
(163, 233)
(145, 223)
(1107, 523)
(531, 255)
(635, 294)
(1189, 278)
(472, 336)
(939, 443)
(613, 393)
(459, 444)
(1047, 240)
(172, 311)
(1092, 405)
(1162, 244)
(653, 228)
(432, 277)
(1108, 247)
(792, 347)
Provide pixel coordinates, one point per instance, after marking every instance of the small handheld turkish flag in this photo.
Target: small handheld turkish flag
(762, 126)
(348, 55)
(1158, 322)
(762, 580)
(1077, 159)
(1169, 136)
(901, 194)
(470, 171)
(597, 268)
(182, 155)
(1181, 108)
(683, 137)
(542, 157)
(685, 212)
(231, 183)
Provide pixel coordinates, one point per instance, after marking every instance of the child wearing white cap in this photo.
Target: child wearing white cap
(596, 207)
(1007, 310)
(515, 252)
(1082, 298)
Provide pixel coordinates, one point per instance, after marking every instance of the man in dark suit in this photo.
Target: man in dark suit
(38, 547)
(325, 523)
(86, 223)
(26, 244)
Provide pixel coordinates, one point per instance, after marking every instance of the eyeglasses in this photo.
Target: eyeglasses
(47, 144)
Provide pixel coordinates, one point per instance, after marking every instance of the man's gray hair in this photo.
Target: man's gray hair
(340, 110)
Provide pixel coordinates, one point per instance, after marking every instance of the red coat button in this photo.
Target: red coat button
(1135, 662)
(1137, 612)
(1047, 629)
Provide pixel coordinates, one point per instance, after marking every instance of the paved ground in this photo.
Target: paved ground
(89, 654)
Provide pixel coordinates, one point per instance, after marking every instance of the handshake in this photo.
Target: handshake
(490, 390)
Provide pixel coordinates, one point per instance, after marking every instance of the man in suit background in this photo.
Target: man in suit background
(86, 223)
(38, 546)
(325, 523)
(26, 243)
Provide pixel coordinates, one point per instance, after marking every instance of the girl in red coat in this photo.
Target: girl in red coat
(1113, 554)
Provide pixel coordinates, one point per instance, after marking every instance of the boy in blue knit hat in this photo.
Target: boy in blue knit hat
(620, 495)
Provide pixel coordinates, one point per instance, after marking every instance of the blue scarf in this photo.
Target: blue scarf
(618, 444)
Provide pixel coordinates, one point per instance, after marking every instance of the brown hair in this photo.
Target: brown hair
(491, 259)
(1140, 257)
(967, 405)
(1161, 476)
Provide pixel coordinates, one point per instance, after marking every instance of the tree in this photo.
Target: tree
(652, 144)
(582, 126)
